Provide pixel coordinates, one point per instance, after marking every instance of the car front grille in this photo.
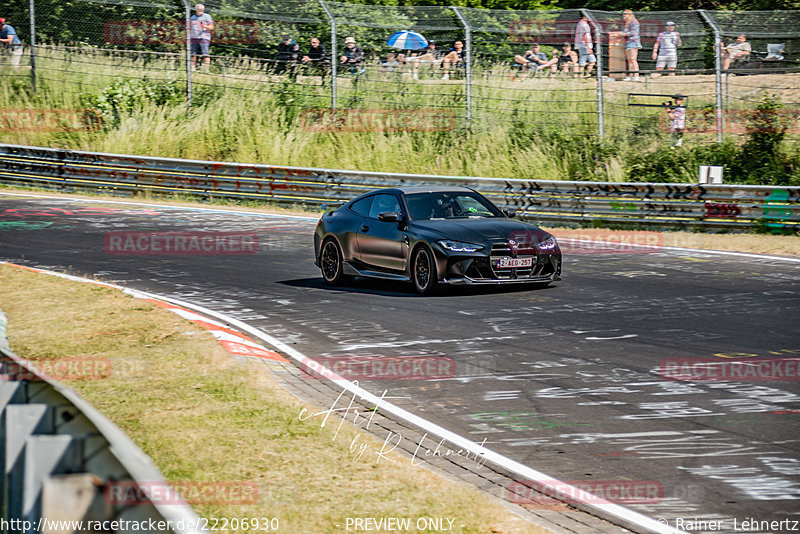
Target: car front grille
(502, 250)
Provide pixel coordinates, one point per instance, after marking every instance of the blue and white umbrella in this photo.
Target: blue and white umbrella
(407, 40)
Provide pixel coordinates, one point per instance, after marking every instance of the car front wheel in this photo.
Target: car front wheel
(332, 264)
(423, 271)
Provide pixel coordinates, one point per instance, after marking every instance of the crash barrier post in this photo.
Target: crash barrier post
(689, 206)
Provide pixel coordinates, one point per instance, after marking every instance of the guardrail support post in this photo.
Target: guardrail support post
(334, 62)
(717, 68)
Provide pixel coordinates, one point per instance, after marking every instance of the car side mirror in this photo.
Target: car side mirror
(510, 213)
(389, 216)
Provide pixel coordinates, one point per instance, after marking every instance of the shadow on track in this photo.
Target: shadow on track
(391, 288)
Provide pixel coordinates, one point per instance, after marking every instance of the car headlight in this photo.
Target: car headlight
(458, 246)
(548, 244)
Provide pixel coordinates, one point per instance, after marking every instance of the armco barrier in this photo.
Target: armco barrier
(57, 452)
(708, 207)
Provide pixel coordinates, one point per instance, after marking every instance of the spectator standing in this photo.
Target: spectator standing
(677, 120)
(737, 51)
(317, 53)
(200, 26)
(457, 56)
(288, 54)
(584, 46)
(353, 56)
(534, 59)
(8, 35)
(665, 51)
(318, 58)
(633, 43)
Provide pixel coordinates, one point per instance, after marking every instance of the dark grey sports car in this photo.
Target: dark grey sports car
(432, 236)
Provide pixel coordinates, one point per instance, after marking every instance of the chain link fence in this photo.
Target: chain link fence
(472, 76)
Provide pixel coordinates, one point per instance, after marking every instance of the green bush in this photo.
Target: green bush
(763, 159)
(125, 96)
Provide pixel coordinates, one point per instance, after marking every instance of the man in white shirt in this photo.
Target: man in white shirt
(665, 51)
(201, 25)
(584, 47)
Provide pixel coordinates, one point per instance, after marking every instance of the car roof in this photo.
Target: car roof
(423, 189)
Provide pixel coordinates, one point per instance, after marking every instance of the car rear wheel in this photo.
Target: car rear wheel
(423, 271)
(332, 264)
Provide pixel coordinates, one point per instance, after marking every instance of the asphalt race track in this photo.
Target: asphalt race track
(572, 380)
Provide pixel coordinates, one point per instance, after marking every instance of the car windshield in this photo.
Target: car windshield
(449, 205)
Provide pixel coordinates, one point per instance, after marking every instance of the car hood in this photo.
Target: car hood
(482, 230)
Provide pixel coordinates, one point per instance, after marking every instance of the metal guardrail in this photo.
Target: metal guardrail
(694, 206)
(57, 453)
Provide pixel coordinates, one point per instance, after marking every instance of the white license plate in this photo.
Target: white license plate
(510, 263)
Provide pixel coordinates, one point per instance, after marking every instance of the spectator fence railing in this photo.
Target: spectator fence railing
(94, 42)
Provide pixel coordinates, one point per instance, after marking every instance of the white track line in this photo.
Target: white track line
(606, 509)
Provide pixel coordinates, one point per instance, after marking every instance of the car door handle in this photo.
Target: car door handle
(365, 228)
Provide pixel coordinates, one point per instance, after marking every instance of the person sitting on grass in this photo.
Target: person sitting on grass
(534, 59)
(735, 52)
(391, 64)
(456, 57)
(430, 54)
(566, 61)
